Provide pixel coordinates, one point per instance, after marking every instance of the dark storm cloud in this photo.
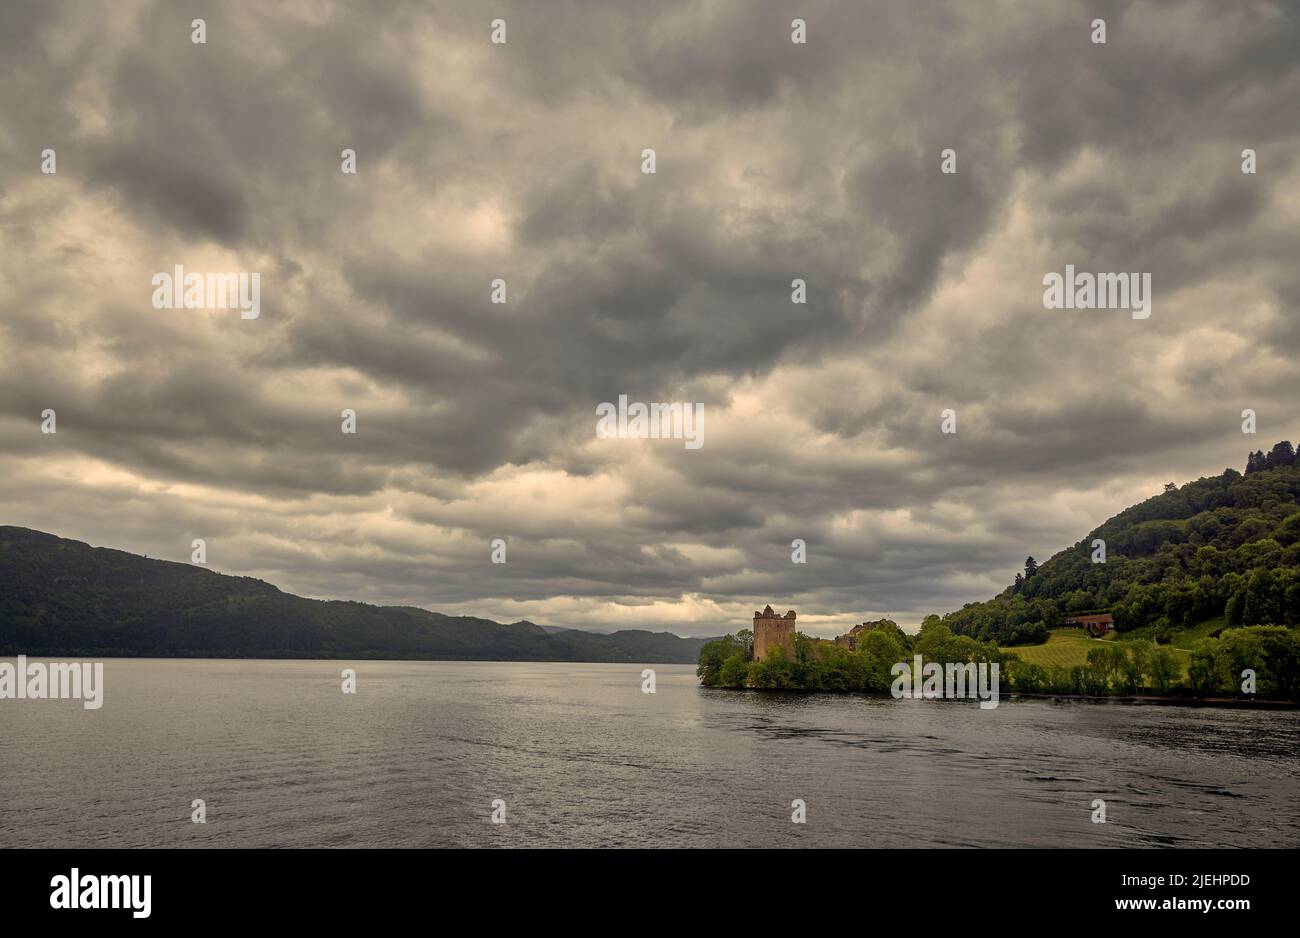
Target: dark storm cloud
(775, 162)
(187, 198)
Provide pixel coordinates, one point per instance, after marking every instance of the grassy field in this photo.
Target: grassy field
(1067, 647)
(1064, 648)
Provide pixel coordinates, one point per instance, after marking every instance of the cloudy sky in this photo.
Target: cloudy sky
(522, 161)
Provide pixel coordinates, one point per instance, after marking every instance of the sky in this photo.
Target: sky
(523, 161)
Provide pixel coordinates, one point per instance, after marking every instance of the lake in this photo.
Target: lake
(581, 757)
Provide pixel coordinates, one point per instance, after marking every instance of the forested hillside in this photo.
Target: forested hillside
(1226, 546)
(63, 597)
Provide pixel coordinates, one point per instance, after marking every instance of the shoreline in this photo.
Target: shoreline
(1249, 703)
(1149, 699)
(297, 656)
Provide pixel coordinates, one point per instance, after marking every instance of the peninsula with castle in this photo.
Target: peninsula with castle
(879, 657)
(772, 654)
(1193, 593)
(872, 656)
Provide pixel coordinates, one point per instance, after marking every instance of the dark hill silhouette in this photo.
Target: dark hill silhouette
(61, 597)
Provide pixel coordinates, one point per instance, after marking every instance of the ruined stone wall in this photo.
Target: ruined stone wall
(771, 631)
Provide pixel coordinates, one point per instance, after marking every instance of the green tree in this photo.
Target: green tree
(879, 651)
(1137, 667)
(1205, 672)
(1027, 678)
(1107, 663)
(713, 655)
(1164, 668)
(746, 639)
(734, 671)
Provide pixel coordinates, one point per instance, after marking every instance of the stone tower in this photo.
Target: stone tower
(772, 630)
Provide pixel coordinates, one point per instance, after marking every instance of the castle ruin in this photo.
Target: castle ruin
(849, 639)
(771, 631)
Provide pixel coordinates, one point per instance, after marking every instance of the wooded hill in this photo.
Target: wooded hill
(1226, 546)
(63, 598)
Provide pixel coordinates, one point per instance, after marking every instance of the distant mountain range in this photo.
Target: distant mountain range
(63, 598)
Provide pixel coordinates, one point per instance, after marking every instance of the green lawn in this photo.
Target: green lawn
(1067, 647)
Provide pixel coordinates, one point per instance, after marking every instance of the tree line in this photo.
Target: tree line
(1252, 661)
